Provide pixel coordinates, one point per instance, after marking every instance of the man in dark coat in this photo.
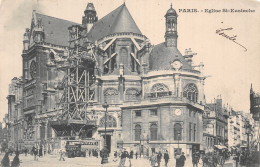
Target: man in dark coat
(159, 157)
(16, 160)
(6, 161)
(195, 159)
(182, 160)
(131, 154)
(166, 157)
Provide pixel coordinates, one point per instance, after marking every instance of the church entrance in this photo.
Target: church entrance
(108, 142)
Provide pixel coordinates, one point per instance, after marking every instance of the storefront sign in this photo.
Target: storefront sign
(102, 133)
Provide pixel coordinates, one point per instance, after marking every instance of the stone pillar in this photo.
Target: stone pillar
(177, 85)
(96, 91)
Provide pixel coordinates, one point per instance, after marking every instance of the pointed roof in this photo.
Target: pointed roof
(55, 29)
(117, 21)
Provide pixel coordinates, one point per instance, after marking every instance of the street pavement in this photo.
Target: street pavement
(53, 161)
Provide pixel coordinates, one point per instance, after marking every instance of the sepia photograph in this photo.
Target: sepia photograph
(129, 83)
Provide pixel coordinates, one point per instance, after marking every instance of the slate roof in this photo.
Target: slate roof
(119, 20)
(55, 29)
(161, 58)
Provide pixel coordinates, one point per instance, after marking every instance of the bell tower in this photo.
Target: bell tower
(171, 28)
(90, 16)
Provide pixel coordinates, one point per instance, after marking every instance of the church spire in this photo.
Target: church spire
(171, 28)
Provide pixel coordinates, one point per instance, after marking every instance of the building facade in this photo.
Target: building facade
(215, 125)
(155, 95)
(169, 114)
(14, 120)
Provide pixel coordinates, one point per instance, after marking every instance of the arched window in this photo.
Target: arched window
(124, 56)
(191, 92)
(111, 96)
(138, 131)
(132, 94)
(111, 122)
(153, 131)
(159, 90)
(177, 131)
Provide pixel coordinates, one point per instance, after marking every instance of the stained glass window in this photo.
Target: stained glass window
(132, 94)
(111, 122)
(191, 92)
(111, 96)
(159, 90)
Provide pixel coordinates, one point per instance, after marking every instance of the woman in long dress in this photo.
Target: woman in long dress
(127, 160)
(153, 160)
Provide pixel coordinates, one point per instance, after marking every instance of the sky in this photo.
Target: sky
(230, 69)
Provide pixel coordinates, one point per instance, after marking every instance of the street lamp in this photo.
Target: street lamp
(105, 150)
(179, 134)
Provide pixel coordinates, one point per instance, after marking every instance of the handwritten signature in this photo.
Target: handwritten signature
(231, 38)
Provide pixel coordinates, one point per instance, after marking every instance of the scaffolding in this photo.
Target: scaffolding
(77, 85)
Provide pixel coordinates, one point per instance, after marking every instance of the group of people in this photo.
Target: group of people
(156, 158)
(37, 152)
(247, 158)
(125, 158)
(6, 161)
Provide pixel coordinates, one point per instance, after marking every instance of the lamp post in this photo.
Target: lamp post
(179, 133)
(105, 150)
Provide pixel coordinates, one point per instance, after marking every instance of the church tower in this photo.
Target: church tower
(171, 28)
(90, 16)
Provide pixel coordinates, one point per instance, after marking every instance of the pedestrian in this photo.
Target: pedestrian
(61, 155)
(131, 154)
(115, 156)
(243, 159)
(166, 157)
(153, 159)
(177, 158)
(127, 160)
(16, 160)
(40, 151)
(195, 159)
(122, 159)
(25, 151)
(35, 152)
(136, 155)
(159, 158)
(6, 161)
(182, 160)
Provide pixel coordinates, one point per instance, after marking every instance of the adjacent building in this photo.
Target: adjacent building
(215, 124)
(15, 121)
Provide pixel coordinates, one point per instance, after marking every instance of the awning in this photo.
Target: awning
(220, 147)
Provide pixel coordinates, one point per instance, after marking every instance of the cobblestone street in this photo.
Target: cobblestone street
(53, 160)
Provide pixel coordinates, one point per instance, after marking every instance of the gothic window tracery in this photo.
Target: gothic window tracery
(111, 95)
(159, 90)
(191, 92)
(132, 94)
(111, 122)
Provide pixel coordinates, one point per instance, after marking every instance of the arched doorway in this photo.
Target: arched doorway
(110, 123)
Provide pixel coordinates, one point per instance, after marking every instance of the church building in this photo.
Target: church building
(154, 95)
